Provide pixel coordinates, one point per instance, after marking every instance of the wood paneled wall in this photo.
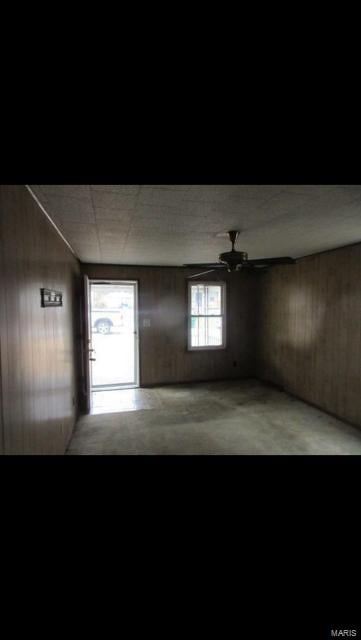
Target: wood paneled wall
(1, 401)
(37, 345)
(163, 346)
(309, 338)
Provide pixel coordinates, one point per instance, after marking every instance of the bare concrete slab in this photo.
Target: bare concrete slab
(242, 417)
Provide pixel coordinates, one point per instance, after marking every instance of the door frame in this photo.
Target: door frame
(135, 284)
(86, 343)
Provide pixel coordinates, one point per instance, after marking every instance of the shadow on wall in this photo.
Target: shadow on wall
(309, 335)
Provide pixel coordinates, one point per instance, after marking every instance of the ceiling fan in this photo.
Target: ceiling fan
(236, 260)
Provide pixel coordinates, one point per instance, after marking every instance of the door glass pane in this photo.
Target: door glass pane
(112, 331)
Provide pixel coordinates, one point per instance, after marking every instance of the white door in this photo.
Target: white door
(114, 334)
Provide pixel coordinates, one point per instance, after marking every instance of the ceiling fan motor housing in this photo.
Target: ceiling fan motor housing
(233, 258)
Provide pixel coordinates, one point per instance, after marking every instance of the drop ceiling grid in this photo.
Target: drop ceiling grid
(172, 224)
(136, 198)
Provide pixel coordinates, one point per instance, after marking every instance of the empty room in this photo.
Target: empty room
(180, 319)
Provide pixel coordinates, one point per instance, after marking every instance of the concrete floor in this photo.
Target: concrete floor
(230, 417)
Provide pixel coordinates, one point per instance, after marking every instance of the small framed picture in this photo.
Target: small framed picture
(51, 298)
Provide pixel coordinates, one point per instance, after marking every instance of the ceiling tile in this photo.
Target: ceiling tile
(113, 227)
(71, 209)
(173, 224)
(161, 197)
(83, 233)
(110, 200)
(177, 209)
(110, 233)
(68, 190)
(112, 214)
(87, 252)
(125, 190)
(112, 257)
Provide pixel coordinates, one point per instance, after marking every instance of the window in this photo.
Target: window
(206, 316)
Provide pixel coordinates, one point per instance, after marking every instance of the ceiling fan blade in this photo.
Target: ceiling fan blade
(268, 261)
(212, 265)
(203, 273)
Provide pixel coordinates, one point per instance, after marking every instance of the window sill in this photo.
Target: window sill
(210, 348)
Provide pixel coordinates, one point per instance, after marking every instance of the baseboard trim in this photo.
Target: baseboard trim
(312, 404)
(167, 384)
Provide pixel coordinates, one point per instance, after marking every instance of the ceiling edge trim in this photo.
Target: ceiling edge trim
(51, 221)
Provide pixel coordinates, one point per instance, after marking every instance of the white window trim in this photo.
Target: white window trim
(217, 283)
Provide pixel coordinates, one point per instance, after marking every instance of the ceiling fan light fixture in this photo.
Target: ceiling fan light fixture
(233, 257)
(235, 260)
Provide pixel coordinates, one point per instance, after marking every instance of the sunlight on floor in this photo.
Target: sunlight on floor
(119, 400)
(240, 417)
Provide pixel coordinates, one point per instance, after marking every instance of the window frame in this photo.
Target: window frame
(218, 283)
